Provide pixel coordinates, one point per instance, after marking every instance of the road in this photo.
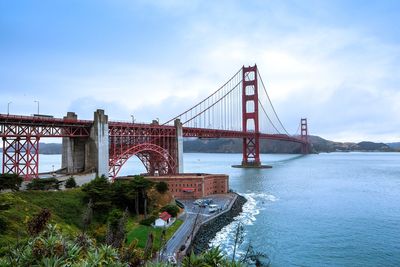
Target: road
(192, 212)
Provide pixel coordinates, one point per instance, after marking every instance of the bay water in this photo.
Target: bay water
(330, 209)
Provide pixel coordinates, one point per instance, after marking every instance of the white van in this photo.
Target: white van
(213, 208)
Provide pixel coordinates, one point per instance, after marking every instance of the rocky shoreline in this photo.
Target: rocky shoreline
(208, 230)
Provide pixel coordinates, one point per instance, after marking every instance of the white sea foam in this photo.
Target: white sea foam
(255, 203)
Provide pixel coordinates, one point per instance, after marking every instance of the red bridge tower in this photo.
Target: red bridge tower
(251, 145)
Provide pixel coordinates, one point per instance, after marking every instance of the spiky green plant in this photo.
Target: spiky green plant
(194, 260)
(213, 257)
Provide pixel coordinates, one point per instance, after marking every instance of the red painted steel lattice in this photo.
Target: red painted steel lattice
(230, 112)
(21, 156)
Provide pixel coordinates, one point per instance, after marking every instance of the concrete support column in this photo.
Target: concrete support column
(97, 156)
(179, 145)
(73, 153)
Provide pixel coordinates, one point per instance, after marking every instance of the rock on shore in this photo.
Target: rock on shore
(211, 228)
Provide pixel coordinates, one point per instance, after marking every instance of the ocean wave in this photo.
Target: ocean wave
(255, 203)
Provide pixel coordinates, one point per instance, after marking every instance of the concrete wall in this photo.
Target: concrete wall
(97, 147)
(88, 154)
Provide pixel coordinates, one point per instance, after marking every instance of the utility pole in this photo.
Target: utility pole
(8, 107)
(37, 101)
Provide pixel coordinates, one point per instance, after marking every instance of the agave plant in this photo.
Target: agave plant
(50, 248)
(53, 261)
(214, 257)
(194, 260)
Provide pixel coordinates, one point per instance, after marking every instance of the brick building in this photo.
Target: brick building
(194, 185)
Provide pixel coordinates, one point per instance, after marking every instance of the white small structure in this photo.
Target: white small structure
(165, 220)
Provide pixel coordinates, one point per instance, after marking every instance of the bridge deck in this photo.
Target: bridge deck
(15, 125)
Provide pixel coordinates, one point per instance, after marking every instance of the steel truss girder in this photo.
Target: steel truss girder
(21, 156)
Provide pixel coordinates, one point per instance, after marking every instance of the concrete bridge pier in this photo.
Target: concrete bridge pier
(179, 146)
(73, 150)
(88, 154)
(97, 156)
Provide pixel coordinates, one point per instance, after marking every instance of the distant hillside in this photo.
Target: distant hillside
(50, 149)
(271, 146)
(226, 145)
(394, 145)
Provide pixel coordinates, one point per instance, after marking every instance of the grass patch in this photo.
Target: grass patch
(65, 206)
(140, 232)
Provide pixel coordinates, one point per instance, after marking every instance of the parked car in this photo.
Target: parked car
(197, 201)
(172, 260)
(213, 208)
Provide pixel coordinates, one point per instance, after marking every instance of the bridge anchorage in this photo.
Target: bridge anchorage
(241, 108)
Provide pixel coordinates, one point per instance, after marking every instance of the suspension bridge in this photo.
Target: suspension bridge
(240, 108)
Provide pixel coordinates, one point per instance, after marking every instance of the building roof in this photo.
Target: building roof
(165, 216)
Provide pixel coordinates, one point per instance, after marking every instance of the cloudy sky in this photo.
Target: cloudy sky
(335, 62)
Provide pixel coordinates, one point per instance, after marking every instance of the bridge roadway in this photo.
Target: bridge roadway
(12, 126)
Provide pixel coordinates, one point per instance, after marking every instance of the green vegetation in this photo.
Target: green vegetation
(148, 221)
(70, 183)
(44, 184)
(18, 208)
(171, 209)
(84, 227)
(141, 232)
(162, 187)
(51, 248)
(10, 181)
(103, 210)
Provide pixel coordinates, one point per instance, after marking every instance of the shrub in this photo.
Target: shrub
(162, 187)
(51, 248)
(149, 221)
(44, 184)
(10, 181)
(113, 218)
(171, 209)
(38, 223)
(70, 183)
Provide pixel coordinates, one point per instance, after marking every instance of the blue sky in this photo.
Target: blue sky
(335, 62)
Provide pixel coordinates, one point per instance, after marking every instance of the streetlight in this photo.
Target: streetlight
(37, 101)
(133, 119)
(8, 107)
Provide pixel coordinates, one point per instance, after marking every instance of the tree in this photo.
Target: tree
(70, 183)
(124, 195)
(162, 187)
(99, 191)
(141, 185)
(44, 184)
(10, 181)
(171, 209)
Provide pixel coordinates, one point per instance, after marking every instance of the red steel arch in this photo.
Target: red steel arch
(155, 159)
